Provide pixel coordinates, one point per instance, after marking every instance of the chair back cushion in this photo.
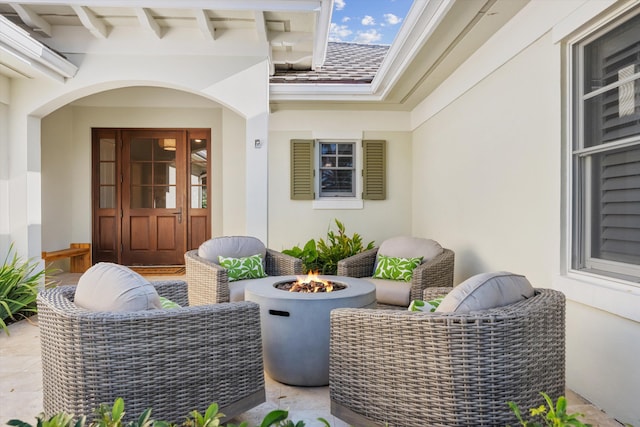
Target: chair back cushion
(409, 247)
(485, 291)
(113, 287)
(231, 247)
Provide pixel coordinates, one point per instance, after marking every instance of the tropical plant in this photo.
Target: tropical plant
(323, 256)
(553, 416)
(19, 284)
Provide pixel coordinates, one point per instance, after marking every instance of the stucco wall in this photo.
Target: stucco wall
(492, 163)
(490, 167)
(294, 222)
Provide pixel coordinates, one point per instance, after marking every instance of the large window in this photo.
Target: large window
(606, 151)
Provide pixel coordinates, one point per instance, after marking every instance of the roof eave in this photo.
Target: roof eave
(30, 52)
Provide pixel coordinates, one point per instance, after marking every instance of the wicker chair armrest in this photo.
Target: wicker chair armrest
(208, 282)
(359, 265)
(174, 290)
(437, 272)
(435, 292)
(279, 264)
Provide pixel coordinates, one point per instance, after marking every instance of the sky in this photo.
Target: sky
(367, 21)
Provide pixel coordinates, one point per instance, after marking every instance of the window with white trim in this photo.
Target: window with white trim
(338, 170)
(606, 150)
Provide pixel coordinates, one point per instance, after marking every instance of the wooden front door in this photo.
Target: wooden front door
(153, 198)
(150, 194)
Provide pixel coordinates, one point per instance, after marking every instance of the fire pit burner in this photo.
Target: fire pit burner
(295, 325)
(310, 284)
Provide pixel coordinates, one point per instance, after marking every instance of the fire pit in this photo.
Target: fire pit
(295, 323)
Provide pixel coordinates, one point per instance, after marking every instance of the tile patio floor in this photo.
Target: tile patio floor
(21, 386)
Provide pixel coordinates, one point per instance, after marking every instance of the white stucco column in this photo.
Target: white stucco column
(257, 177)
(247, 93)
(4, 165)
(24, 189)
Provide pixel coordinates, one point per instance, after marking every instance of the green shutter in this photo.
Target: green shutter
(374, 174)
(302, 169)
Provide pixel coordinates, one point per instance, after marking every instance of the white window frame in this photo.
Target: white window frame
(623, 273)
(342, 202)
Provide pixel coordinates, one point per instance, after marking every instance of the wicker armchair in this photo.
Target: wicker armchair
(173, 361)
(436, 272)
(209, 282)
(404, 369)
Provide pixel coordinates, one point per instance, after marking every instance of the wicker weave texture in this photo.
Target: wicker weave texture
(209, 282)
(437, 272)
(433, 369)
(173, 361)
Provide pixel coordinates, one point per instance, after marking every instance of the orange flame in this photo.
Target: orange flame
(312, 282)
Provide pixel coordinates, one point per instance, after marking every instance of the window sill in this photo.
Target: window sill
(336, 203)
(614, 296)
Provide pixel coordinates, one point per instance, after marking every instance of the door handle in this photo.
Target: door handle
(179, 213)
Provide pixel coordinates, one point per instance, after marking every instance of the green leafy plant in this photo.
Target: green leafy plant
(552, 416)
(323, 256)
(113, 416)
(19, 284)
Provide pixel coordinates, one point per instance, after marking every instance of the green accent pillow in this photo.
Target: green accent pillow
(396, 268)
(167, 304)
(243, 268)
(430, 306)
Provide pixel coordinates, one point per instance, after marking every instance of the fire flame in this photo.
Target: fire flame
(311, 283)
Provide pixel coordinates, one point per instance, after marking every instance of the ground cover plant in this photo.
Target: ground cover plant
(323, 256)
(19, 284)
(113, 416)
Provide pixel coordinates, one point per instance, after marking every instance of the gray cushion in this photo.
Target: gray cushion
(231, 247)
(486, 290)
(113, 287)
(409, 247)
(392, 292)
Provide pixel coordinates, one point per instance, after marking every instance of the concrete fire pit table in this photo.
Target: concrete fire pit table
(295, 325)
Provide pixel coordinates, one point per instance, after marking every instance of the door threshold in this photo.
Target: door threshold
(158, 270)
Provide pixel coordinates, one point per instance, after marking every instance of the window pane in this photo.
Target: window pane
(141, 197)
(107, 197)
(141, 149)
(616, 50)
(345, 162)
(107, 173)
(615, 217)
(199, 196)
(328, 162)
(164, 197)
(328, 148)
(164, 174)
(345, 149)
(107, 149)
(612, 115)
(141, 173)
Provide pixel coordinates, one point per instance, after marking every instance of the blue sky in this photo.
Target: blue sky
(367, 21)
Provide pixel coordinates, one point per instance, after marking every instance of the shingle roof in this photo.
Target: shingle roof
(345, 63)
